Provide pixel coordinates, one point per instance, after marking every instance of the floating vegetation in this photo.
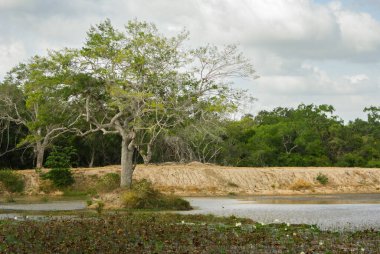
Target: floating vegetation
(149, 232)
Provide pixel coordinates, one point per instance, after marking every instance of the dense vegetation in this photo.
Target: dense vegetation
(172, 233)
(308, 135)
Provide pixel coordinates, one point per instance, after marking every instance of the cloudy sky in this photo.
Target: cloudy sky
(305, 51)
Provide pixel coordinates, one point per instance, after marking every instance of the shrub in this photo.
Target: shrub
(301, 184)
(60, 162)
(61, 177)
(60, 157)
(322, 179)
(12, 181)
(144, 196)
(108, 182)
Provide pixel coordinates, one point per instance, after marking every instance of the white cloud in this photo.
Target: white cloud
(10, 55)
(304, 51)
(7, 4)
(357, 78)
(359, 31)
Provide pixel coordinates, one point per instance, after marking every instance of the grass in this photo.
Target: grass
(144, 196)
(301, 184)
(142, 232)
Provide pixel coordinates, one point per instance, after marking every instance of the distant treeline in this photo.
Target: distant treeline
(308, 135)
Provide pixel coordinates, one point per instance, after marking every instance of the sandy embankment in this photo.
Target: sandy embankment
(196, 179)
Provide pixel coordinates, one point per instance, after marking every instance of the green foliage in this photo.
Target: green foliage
(60, 161)
(144, 196)
(12, 181)
(60, 157)
(99, 207)
(373, 164)
(61, 177)
(322, 179)
(108, 182)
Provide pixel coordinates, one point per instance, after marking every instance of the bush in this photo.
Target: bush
(60, 162)
(144, 196)
(61, 177)
(301, 184)
(12, 181)
(60, 157)
(108, 182)
(322, 179)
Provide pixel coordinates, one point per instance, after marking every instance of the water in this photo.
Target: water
(332, 212)
(48, 206)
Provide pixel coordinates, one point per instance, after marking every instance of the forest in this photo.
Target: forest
(136, 96)
(308, 135)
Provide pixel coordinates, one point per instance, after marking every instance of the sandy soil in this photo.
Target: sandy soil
(196, 179)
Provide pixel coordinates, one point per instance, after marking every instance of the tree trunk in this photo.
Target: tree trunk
(148, 156)
(40, 151)
(91, 164)
(127, 166)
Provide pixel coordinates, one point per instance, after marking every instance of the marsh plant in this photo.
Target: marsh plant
(151, 232)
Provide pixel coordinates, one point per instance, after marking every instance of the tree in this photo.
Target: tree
(35, 95)
(139, 82)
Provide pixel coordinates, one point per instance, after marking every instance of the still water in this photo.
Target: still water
(333, 212)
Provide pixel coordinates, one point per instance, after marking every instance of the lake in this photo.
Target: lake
(332, 212)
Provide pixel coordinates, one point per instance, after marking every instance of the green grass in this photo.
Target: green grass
(142, 232)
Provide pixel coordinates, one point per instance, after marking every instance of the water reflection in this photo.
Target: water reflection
(315, 199)
(333, 212)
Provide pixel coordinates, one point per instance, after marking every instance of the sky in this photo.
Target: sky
(305, 51)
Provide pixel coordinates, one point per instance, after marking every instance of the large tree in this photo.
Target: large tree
(35, 95)
(138, 82)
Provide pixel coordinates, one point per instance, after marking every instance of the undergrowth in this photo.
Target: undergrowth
(144, 196)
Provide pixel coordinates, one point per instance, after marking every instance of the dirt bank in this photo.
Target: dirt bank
(196, 179)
